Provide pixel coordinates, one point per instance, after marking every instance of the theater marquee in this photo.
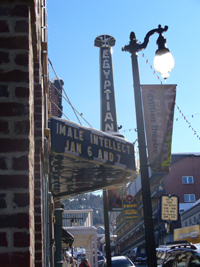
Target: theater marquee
(75, 148)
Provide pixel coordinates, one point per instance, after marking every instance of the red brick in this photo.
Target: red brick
(38, 227)
(21, 239)
(37, 167)
(38, 236)
(38, 133)
(21, 59)
(38, 124)
(37, 192)
(38, 117)
(13, 109)
(22, 92)
(18, 220)
(11, 145)
(37, 210)
(21, 127)
(20, 163)
(3, 240)
(38, 218)
(38, 264)
(3, 164)
(4, 127)
(38, 256)
(37, 200)
(38, 91)
(14, 76)
(20, 11)
(14, 181)
(4, 26)
(37, 179)
(4, 89)
(4, 57)
(38, 110)
(38, 102)
(21, 199)
(38, 147)
(38, 246)
(15, 259)
(3, 204)
(21, 26)
(16, 42)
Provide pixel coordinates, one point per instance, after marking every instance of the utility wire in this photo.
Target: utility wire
(80, 114)
(64, 91)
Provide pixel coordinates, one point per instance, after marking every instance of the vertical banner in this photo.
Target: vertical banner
(158, 107)
(114, 200)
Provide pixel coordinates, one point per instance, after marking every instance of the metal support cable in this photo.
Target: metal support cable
(63, 90)
(57, 107)
(70, 104)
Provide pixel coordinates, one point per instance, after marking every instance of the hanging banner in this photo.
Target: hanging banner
(158, 106)
(114, 200)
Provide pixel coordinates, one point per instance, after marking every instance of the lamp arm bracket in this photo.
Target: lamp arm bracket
(134, 47)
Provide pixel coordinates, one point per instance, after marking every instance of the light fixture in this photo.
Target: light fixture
(163, 60)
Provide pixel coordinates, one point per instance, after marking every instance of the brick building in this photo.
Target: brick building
(24, 136)
(183, 180)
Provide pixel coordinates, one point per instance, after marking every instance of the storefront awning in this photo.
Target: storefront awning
(85, 159)
(67, 238)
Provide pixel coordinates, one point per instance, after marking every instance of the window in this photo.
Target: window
(189, 198)
(186, 224)
(187, 179)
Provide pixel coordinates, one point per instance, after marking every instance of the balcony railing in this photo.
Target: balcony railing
(72, 218)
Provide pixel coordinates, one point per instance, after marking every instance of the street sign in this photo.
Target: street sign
(169, 208)
(130, 208)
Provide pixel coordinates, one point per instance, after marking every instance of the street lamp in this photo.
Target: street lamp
(162, 51)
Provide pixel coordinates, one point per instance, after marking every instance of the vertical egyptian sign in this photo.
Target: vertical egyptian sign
(158, 106)
(108, 107)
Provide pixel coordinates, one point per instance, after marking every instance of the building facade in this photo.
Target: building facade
(25, 235)
(183, 180)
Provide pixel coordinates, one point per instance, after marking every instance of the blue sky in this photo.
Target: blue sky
(72, 28)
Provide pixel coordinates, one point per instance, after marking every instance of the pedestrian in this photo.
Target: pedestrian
(84, 263)
(72, 262)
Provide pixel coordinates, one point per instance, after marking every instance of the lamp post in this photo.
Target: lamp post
(162, 51)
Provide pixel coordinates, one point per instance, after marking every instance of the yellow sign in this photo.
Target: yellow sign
(191, 234)
(130, 208)
(169, 208)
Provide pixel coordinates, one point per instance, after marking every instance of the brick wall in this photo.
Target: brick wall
(21, 134)
(55, 95)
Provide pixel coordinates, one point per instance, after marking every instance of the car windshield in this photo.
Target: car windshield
(120, 263)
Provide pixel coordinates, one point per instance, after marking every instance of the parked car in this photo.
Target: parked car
(100, 259)
(119, 261)
(162, 250)
(183, 256)
(138, 255)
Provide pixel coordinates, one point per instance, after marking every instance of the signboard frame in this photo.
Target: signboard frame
(169, 208)
(129, 205)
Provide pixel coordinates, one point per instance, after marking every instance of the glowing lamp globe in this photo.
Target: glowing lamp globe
(163, 62)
